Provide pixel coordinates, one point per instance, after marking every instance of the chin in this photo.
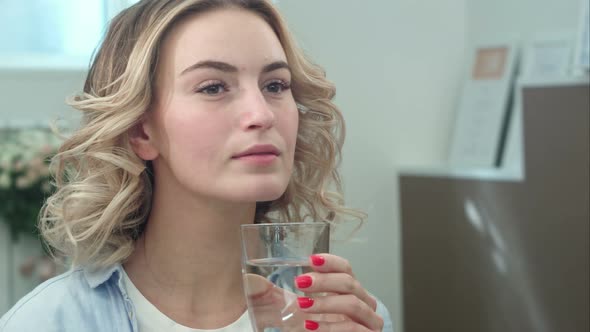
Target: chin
(265, 195)
(259, 192)
(269, 196)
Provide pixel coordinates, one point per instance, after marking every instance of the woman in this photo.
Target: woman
(199, 116)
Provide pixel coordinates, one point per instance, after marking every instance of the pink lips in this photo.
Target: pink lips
(258, 154)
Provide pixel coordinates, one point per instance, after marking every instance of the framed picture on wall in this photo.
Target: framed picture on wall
(548, 55)
(490, 63)
(482, 112)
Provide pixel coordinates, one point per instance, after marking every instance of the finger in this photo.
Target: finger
(330, 263)
(339, 283)
(343, 326)
(347, 305)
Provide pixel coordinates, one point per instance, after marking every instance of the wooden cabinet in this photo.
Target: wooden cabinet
(506, 255)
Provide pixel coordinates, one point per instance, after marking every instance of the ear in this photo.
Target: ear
(141, 138)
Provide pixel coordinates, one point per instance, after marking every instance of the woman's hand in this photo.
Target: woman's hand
(347, 299)
(339, 302)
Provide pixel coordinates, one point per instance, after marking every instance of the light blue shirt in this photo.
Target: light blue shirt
(83, 301)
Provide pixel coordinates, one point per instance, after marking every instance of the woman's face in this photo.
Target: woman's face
(224, 124)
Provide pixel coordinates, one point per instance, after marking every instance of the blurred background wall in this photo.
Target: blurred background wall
(398, 68)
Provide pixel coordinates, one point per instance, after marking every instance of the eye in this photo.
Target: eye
(212, 89)
(277, 86)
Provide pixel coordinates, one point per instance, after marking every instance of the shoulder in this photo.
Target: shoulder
(64, 303)
(47, 304)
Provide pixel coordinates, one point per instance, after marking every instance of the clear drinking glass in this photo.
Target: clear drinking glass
(273, 255)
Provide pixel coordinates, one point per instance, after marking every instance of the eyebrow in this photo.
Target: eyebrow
(226, 67)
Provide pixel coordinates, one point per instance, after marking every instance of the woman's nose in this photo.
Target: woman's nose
(255, 113)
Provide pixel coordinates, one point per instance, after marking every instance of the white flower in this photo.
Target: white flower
(19, 166)
(46, 149)
(25, 150)
(44, 171)
(32, 175)
(9, 151)
(46, 187)
(4, 181)
(4, 164)
(36, 163)
(22, 182)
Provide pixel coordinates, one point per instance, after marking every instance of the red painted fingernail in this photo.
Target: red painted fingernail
(318, 260)
(311, 325)
(303, 281)
(305, 302)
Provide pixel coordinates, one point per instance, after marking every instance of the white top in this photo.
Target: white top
(150, 319)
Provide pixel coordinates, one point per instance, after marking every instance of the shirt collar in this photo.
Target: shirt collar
(97, 277)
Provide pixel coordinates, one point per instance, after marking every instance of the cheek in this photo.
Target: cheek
(195, 137)
(288, 126)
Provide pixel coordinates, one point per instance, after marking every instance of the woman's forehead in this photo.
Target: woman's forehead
(233, 36)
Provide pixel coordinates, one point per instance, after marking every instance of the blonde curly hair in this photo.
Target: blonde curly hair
(103, 189)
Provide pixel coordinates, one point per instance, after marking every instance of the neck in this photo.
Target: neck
(187, 261)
